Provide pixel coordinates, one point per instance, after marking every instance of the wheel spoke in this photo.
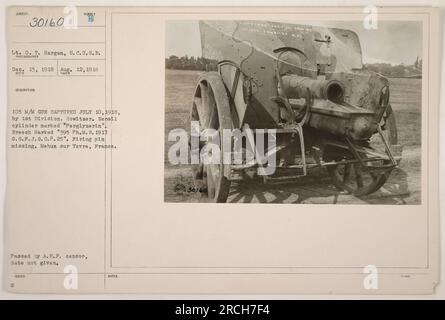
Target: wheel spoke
(358, 175)
(373, 175)
(213, 118)
(197, 110)
(210, 182)
(197, 171)
(203, 108)
(215, 171)
(347, 172)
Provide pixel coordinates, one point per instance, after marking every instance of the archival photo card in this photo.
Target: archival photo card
(223, 150)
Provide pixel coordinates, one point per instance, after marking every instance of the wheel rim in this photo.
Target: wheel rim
(205, 109)
(371, 176)
(359, 180)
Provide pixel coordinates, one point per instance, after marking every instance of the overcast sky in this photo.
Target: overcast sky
(393, 42)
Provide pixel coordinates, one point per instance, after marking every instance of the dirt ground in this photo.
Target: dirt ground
(402, 187)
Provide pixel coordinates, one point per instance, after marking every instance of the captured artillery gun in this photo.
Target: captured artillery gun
(307, 84)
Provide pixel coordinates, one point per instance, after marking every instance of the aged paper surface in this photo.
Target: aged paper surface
(104, 196)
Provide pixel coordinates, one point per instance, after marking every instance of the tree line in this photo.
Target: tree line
(190, 63)
(397, 71)
(385, 69)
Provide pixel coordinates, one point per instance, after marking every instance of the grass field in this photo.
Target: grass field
(402, 187)
(406, 101)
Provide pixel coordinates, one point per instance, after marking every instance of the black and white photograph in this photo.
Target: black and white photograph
(304, 112)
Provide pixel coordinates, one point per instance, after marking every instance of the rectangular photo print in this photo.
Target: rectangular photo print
(317, 112)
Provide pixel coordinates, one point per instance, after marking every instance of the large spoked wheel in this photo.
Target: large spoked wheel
(211, 108)
(358, 179)
(361, 180)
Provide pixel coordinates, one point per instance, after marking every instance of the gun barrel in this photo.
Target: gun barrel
(295, 86)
